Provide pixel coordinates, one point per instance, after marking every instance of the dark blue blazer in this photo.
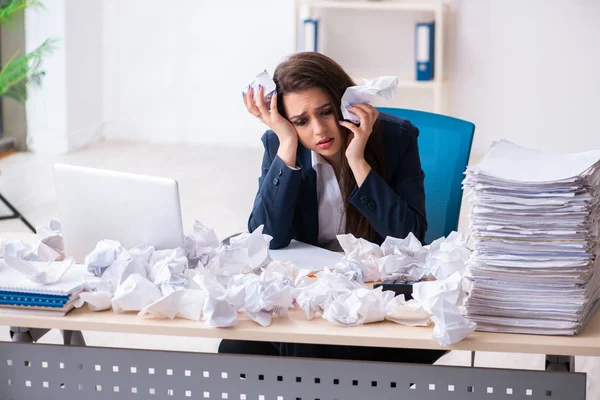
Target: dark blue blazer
(286, 202)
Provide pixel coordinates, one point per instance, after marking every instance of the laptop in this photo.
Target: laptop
(96, 204)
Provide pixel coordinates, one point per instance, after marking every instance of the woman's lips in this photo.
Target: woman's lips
(325, 143)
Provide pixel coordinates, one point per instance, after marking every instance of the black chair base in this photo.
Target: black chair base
(15, 214)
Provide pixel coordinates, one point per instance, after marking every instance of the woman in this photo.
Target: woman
(322, 176)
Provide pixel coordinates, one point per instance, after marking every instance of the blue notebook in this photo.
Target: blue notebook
(28, 299)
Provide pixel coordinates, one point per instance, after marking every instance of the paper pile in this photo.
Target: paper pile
(405, 259)
(340, 295)
(535, 224)
(206, 280)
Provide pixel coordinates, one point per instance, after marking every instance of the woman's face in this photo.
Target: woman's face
(312, 114)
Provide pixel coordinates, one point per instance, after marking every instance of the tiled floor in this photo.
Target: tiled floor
(217, 186)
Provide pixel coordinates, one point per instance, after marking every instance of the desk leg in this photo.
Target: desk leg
(560, 363)
(26, 335)
(21, 336)
(73, 338)
(30, 335)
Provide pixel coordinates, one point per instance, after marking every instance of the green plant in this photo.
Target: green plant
(20, 72)
(11, 7)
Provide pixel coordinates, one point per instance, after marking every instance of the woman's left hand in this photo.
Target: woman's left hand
(359, 135)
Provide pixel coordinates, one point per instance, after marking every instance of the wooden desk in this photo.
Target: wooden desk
(297, 329)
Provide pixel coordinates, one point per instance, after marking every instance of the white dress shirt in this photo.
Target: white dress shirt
(332, 216)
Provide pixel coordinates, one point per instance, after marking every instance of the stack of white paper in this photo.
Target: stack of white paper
(535, 225)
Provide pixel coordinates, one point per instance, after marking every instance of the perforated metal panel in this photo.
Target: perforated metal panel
(36, 371)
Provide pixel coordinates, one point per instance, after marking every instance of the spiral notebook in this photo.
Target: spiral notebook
(73, 280)
(28, 299)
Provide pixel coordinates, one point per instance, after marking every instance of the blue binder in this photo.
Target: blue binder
(311, 34)
(424, 50)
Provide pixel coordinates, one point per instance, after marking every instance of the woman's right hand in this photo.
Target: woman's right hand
(283, 128)
(285, 131)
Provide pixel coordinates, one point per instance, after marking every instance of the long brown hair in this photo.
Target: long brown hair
(302, 71)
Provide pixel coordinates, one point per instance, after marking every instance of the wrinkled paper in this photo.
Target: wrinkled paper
(365, 93)
(50, 245)
(18, 249)
(134, 294)
(103, 255)
(184, 303)
(246, 253)
(404, 312)
(201, 246)
(42, 273)
(262, 79)
(441, 298)
(360, 306)
(364, 252)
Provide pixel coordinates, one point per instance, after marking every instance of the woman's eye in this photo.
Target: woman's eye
(327, 112)
(300, 122)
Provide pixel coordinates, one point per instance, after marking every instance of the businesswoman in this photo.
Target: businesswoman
(322, 176)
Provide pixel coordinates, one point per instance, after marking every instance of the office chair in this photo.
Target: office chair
(444, 148)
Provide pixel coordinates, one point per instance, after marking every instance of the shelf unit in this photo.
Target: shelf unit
(304, 8)
(373, 5)
(407, 83)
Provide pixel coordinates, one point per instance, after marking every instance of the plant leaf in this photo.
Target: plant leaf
(12, 7)
(20, 72)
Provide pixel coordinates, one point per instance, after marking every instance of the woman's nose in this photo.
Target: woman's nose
(319, 127)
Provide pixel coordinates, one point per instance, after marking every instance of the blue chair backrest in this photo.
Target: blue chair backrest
(444, 148)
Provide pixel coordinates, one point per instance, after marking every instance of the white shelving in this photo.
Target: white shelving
(407, 83)
(374, 5)
(305, 8)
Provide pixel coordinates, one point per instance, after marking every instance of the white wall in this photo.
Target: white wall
(174, 72)
(521, 70)
(84, 43)
(66, 113)
(178, 76)
(527, 71)
(46, 108)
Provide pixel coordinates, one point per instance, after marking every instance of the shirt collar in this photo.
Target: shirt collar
(317, 159)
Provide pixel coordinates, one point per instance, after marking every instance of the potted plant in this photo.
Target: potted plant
(21, 71)
(17, 74)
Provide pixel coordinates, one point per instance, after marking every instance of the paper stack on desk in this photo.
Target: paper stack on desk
(19, 294)
(535, 224)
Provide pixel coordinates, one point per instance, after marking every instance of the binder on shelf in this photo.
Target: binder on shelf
(424, 50)
(311, 34)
